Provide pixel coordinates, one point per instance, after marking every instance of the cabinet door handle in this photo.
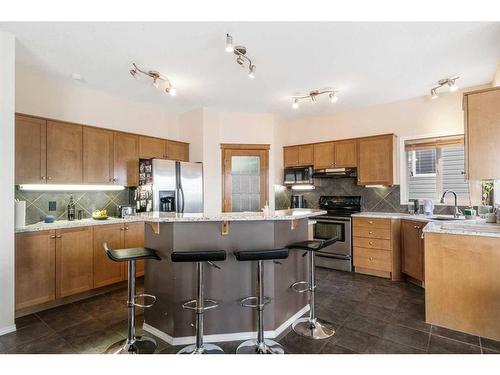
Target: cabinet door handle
(49, 178)
(371, 259)
(122, 228)
(52, 237)
(416, 227)
(59, 236)
(126, 228)
(43, 177)
(370, 243)
(370, 222)
(370, 232)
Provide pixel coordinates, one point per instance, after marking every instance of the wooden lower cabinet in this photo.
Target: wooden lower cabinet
(74, 260)
(106, 271)
(376, 247)
(412, 249)
(35, 263)
(134, 237)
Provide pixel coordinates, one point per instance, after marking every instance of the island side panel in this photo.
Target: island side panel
(159, 278)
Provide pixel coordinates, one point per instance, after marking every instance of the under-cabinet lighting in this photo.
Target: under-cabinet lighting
(55, 187)
(375, 186)
(302, 187)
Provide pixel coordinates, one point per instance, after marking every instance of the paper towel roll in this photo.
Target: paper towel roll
(20, 213)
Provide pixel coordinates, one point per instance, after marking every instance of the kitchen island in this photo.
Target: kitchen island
(174, 284)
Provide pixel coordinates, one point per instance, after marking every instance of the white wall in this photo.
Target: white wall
(496, 80)
(39, 94)
(413, 117)
(7, 84)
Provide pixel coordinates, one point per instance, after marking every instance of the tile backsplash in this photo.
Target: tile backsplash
(37, 202)
(378, 199)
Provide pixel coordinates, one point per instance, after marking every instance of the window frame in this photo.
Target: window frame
(414, 166)
(403, 167)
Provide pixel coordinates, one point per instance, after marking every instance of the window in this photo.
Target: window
(435, 165)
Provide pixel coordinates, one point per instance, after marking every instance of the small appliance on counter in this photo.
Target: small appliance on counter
(298, 201)
(126, 210)
(169, 186)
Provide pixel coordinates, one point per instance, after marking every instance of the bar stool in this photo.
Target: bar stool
(132, 344)
(261, 345)
(199, 304)
(311, 326)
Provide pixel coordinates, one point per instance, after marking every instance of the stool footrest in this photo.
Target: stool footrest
(145, 296)
(244, 301)
(192, 305)
(297, 286)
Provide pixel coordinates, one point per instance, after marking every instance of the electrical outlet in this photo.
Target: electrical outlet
(52, 206)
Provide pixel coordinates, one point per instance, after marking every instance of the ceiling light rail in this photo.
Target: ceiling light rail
(450, 82)
(332, 95)
(160, 82)
(242, 59)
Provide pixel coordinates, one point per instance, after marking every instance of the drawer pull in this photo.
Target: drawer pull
(371, 243)
(371, 259)
(370, 222)
(370, 232)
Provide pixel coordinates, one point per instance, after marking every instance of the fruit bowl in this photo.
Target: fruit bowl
(100, 215)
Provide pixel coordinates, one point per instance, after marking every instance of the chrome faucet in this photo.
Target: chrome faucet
(457, 212)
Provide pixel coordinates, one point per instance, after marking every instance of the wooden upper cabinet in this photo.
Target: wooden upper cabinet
(150, 148)
(34, 268)
(97, 156)
(126, 159)
(345, 154)
(482, 134)
(291, 156)
(306, 155)
(134, 237)
(64, 153)
(74, 261)
(177, 151)
(412, 249)
(324, 155)
(30, 153)
(105, 271)
(376, 157)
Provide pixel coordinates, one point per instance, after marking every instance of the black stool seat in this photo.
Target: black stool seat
(199, 256)
(313, 245)
(251, 255)
(135, 253)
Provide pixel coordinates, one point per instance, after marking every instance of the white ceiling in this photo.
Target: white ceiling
(369, 63)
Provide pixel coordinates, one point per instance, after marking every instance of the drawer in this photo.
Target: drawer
(371, 223)
(371, 243)
(383, 234)
(372, 258)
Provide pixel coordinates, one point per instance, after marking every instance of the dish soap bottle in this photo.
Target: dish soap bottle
(71, 209)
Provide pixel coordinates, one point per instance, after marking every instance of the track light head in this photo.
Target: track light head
(333, 97)
(172, 91)
(450, 82)
(251, 72)
(452, 85)
(160, 82)
(434, 94)
(229, 43)
(295, 104)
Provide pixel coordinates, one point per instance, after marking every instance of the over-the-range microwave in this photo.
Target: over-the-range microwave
(298, 176)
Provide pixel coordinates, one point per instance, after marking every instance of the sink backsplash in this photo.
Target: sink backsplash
(378, 199)
(37, 202)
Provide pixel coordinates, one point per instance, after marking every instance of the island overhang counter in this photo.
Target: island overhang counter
(174, 284)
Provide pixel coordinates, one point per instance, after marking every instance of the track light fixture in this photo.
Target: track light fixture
(242, 59)
(160, 82)
(332, 94)
(450, 82)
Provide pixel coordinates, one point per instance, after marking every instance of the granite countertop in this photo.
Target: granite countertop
(468, 228)
(298, 213)
(175, 217)
(418, 217)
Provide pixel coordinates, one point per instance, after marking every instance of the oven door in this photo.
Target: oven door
(339, 227)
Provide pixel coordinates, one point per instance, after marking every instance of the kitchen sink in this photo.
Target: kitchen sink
(446, 218)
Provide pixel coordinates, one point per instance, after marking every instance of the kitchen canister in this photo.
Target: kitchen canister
(20, 214)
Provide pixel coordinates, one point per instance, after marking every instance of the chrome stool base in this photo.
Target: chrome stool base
(205, 349)
(141, 345)
(313, 328)
(254, 347)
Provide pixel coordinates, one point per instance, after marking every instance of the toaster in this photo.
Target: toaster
(125, 210)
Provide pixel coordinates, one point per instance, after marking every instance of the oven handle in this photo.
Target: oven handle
(335, 221)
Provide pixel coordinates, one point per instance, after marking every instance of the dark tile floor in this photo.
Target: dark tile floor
(371, 315)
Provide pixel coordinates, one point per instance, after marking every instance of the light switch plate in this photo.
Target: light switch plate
(52, 206)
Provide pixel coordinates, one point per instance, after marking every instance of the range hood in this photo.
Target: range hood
(334, 173)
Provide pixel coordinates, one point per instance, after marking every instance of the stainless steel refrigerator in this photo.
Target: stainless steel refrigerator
(170, 186)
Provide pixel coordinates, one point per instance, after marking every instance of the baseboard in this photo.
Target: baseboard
(8, 329)
(237, 336)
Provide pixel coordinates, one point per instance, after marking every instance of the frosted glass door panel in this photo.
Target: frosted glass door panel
(245, 181)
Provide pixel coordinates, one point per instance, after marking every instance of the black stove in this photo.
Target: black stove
(341, 205)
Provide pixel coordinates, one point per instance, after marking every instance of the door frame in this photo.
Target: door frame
(261, 150)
